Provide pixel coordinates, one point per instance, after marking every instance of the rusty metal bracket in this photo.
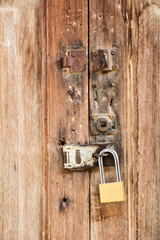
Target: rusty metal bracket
(105, 60)
(103, 124)
(79, 157)
(75, 61)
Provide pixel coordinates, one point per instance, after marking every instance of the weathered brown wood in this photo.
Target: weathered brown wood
(138, 102)
(144, 171)
(65, 101)
(20, 127)
(109, 28)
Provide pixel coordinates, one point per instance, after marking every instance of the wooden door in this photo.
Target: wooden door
(71, 204)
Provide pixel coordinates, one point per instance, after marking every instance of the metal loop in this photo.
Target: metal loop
(116, 161)
(106, 59)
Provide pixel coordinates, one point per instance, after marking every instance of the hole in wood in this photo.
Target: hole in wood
(64, 199)
(61, 142)
(111, 102)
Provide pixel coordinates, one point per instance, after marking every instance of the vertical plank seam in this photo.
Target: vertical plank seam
(44, 119)
(89, 202)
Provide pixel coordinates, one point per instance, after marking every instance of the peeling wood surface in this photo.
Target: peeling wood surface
(20, 127)
(65, 101)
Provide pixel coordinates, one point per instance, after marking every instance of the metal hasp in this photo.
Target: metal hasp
(79, 157)
(105, 60)
(75, 61)
(103, 124)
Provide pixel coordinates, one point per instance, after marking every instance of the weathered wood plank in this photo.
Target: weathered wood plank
(109, 28)
(20, 127)
(65, 101)
(144, 172)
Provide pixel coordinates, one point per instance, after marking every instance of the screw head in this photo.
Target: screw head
(95, 54)
(80, 60)
(93, 132)
(96, 68)
(115, 66)
(73, 54)
(112, 132)
(113, 52)
(93, 117)
(75, 68)
(70, 91)
(94, 84)
(112, 85)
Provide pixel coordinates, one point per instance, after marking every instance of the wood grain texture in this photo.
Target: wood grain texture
(20, 127)
(109, 28)
(66, 200)
(144, 171)
(133, 28)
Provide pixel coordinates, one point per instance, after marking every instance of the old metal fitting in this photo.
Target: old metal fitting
(80, 157)
(103, 124)
(75, 61)
(105, 60)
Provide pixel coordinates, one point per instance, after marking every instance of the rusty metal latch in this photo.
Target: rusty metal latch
(79, 157)
(105, 60)
(103, 124)
(75, 61)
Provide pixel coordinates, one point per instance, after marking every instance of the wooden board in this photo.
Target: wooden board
(144, 171)
(20, 121)
(65, 109)
(109, 28)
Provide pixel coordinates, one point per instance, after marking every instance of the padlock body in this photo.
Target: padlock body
(112, 192)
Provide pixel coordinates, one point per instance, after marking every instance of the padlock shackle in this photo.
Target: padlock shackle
(116, 161)
(101, 169)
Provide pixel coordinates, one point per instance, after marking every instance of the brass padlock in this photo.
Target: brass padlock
(110, 192)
